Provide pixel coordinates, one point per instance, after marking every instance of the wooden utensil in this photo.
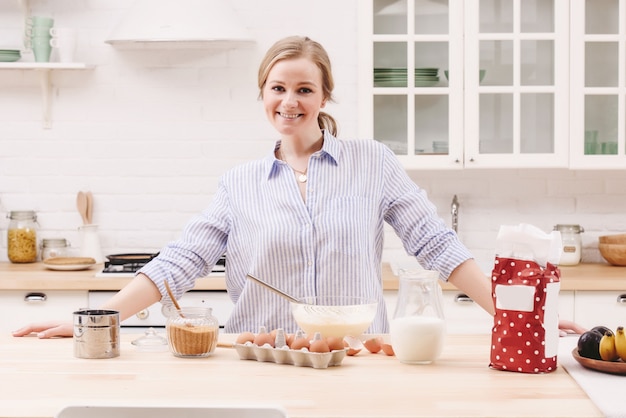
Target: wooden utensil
(174, 301)
(81, 205)
(89, 210)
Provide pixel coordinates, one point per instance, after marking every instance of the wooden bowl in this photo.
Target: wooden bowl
(613, 239)
(615, 254)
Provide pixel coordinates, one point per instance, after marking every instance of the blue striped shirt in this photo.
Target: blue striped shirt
(330, 244)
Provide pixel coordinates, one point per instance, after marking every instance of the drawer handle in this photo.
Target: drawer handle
(35, 297)
(143, 314)
(463, 298)
(621, 298)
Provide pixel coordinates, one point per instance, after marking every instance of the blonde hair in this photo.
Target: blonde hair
(294, 47)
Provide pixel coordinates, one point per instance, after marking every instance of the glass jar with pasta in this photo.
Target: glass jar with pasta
(22, 236)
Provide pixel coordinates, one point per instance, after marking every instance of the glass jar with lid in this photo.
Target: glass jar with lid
(54, 247)
(192, 332)
(572, 244)
(22, 236)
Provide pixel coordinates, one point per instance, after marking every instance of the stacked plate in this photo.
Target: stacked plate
(389, 77)
(9, 55)
(397, 77)
(426, 77)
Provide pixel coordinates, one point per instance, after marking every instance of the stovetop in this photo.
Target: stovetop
(129, 269)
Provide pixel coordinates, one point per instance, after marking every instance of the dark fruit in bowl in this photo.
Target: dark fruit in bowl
(589, 344)
(601, 329)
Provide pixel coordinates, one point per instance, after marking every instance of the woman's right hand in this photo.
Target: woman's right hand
(46, 329)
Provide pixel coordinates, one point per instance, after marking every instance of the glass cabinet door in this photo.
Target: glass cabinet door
(598, 84)
(516, 83)
(409, 49)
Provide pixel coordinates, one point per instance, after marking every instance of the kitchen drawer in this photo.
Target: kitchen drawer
(20, 307)
(606, 308)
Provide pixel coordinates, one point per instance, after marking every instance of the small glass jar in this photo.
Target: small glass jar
(572, 244)
(22, 236)
(192, 332)
(53, 247)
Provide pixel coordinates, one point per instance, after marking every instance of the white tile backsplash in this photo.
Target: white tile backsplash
(149, 133)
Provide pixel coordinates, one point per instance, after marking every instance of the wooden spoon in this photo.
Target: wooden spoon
(81, 205)
(174, 301)
(89, 210)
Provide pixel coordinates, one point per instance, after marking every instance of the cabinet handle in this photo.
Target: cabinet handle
(35, 297)
(463, 298)
(621, 298)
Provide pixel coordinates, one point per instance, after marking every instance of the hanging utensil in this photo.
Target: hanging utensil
(89, 211)
(81, 205)
(273, 289)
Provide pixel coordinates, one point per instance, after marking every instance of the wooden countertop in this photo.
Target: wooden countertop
(43, 376)
(35, 276)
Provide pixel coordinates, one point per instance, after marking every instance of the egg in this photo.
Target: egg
(388, 349)
(245, 337)
(374, 345)
(299, 342)
(335, 343)
(353, 344)
(319, 344)
(264, 337)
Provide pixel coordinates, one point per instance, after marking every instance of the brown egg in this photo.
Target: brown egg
(264, 337)
(373, 345)
(353, 344)
(299, 343)
(335, 343)
(388, 349)
(319, 344)
(245, 337)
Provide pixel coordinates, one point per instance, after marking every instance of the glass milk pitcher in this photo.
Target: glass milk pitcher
(418, 325)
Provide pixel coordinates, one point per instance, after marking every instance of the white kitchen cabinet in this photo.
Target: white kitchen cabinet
(20, 307)
(506, 104)
(606, 308)
(464, 316)
(598, 84)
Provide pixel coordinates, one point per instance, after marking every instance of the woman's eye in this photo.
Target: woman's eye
(278, 88)
(306, 90)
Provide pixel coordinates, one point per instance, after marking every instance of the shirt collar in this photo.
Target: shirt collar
(330, 148)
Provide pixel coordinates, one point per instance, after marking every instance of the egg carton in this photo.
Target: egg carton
(285, 355)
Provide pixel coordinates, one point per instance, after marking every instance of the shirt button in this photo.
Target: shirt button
(309, 263)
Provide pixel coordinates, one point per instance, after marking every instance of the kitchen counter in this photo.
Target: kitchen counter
(36, 276)
(43, 376)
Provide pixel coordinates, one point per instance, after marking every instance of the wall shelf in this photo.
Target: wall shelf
(45, 79)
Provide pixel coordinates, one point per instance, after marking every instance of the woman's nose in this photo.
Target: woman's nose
(290, 100)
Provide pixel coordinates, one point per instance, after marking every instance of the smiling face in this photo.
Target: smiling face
(293, 96)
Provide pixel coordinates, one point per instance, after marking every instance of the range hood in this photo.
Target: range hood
(179, 24)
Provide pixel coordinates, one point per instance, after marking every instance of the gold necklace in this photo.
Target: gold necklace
(302, 177)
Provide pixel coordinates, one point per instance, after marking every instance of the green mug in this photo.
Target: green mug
(41, 48)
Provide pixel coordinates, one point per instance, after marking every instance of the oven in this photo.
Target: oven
(155, 316)
(126, 265)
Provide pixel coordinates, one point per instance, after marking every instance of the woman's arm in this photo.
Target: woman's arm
(140, 293)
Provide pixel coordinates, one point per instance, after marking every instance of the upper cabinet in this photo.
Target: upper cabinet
(408, 49)
(495, 83)
(598, 84)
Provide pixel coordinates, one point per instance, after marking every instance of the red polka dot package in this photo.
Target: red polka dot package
(525, 333)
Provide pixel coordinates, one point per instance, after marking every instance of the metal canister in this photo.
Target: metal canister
(96, 333)
(572, 243)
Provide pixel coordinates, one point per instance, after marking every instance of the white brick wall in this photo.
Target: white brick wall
(149, 132)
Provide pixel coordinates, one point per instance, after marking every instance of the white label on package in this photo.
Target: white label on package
(515, 297)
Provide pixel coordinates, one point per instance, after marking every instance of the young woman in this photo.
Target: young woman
(308, 218)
